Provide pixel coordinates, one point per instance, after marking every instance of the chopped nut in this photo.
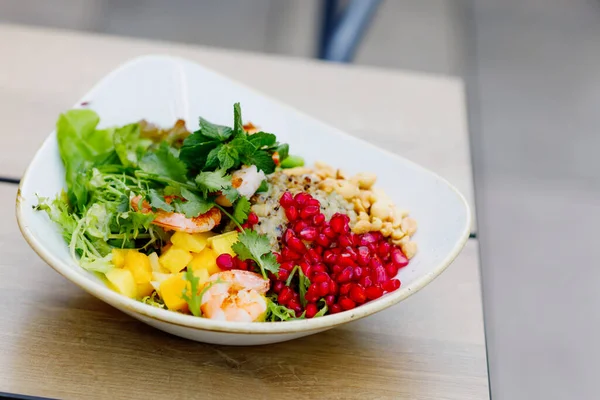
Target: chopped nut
(340, 174)
(400, 213)
(322, 165)
(376, 224)
(347, 190)
(364, 197)
(366, 180)
(386, 229)
(381, 210)
(328, 185)
(397, 234)
(363, 216)
(358, 206)
(297, 171)
(409, 225)
(409, 249)
(362, 226)
(325, 173)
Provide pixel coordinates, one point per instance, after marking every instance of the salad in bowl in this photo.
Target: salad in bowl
(223, 222)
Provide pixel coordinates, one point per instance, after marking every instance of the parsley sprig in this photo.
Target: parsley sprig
(255, 247)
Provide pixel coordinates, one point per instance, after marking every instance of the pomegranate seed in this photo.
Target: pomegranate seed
(313, 202)
(352, 252)
(252, 218)
(345, 289)
(338, 223)
(337, 268)
(289, 254)
(346, 303)
(378, 275)
(319, 250)
(285, 296)
(241, 264)
(328, 231)
(287, 235)
(309, 233)
(319, 277)
(364, 256)
(319, 268)
(399, 258)
(329, 300)
(309, 212)
(333, 288)
(314, 287)
(291, 213)
(384, 249)
(283, 274)
(311, 310)
(318, 219)
(391, 285)
(307, 270)
(335, 308)
(365, 281)
(345, 275)
(278, 286)
(322, 288)
(368, 238)
(301, 199)
(294, 305)
(323, 240)
(329, 257)
(311, 297)
(345, 260)
(225, 261)
(278, 257)
(355, 240)
(286, 200)
(357, 294)
(359, 272)
(345, 241)
(373, 292)
(391, 270)
(312, 256)
(296, 245)
(299, 225)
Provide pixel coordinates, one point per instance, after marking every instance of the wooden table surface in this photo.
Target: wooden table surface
(58, 341)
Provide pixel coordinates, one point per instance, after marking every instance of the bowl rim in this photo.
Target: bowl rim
(119, 301)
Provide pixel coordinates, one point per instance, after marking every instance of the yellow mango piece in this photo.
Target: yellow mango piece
(118, 257)
(205, 260)
(121, 280)
(139, 265)
(222, 243)
(170, 292)
(175, 259)
(193, 242)
(202, 275)
(144, 289)
(155, 264)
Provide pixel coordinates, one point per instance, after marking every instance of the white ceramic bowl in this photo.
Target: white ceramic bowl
(162, 89)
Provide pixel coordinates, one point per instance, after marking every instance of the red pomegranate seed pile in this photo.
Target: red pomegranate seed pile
(344, 269)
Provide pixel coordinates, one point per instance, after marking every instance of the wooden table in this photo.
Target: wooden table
(57, 341)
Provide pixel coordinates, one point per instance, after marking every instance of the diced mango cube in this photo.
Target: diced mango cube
(207, 260)
(118, 257)
(144, 289)
(155, 264)
(193, 242)
(171, 290)
(121, 280)
(202, 275)
(175, 259)
(139, 265)
(222, 243)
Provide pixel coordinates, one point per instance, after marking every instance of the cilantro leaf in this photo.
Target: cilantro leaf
(230, 194)
(261, 139)
(241, 210)
(219, 132)
(212, 181)
(196, 148)
(164, 163)
(158, 201)
(256, 247)
(227, 156)
(194, 204)
(262, 160)
(238, 125)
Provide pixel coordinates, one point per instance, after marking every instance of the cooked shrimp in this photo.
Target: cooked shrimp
(238, 296)
(246, 180)
(177, 221)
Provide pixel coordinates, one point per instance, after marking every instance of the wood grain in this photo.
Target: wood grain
(419, 116)
(58, 341)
